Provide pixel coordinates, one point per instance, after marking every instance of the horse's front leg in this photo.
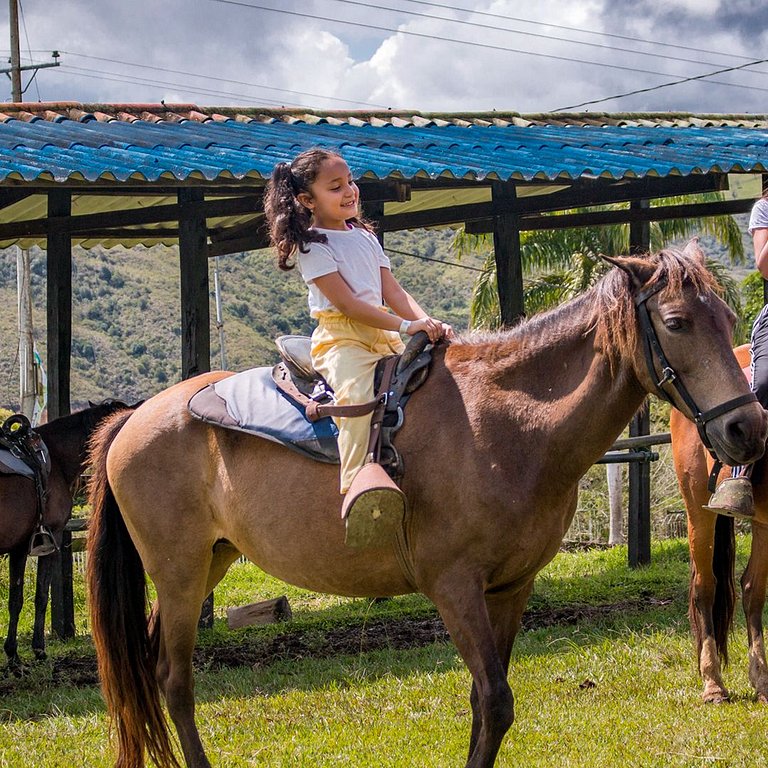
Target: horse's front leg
(753, 584)
(17, 562)
(505, 611)
(463, 607)
(701, 536)
(45, 567)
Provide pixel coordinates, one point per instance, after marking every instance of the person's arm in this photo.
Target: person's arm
(397, 298)
(335, 289)
(760, 243)
(403, 304)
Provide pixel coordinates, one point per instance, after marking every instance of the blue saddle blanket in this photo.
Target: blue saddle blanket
(251, 402)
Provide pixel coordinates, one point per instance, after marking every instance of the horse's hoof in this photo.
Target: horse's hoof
(717, 698)
(762, 698)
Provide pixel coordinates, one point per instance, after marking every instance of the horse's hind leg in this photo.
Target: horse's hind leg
(42, 589)
(177, 611)
(753, 584)
(466, 616)
(17, 562)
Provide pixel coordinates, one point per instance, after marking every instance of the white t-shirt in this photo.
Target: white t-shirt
(355, 254)
(758, 219)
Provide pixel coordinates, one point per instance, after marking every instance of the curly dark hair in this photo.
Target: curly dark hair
(290, 223)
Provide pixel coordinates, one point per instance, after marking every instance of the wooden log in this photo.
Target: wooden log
(265, 612)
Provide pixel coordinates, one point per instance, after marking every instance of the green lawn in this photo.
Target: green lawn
(617, 687)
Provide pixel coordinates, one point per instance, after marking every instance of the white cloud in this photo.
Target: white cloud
(260, 57)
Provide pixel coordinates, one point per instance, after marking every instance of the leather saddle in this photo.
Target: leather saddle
(296, 377)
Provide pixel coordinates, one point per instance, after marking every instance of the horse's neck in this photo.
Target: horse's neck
(549, 383)
(66, 443)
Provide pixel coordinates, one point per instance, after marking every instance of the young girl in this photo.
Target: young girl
(311, 206)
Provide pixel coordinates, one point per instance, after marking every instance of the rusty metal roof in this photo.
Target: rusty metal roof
(70, 143)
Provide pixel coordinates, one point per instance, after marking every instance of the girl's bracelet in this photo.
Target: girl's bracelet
(404, 326)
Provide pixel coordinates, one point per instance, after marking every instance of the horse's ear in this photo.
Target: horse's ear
(639, 272)
(693, 249)
(91, 404)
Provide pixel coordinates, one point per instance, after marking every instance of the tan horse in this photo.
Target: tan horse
(494, 446)
(712, 546)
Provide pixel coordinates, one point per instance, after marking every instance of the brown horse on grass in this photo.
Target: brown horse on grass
(495, 443)
(66, 438)
(712, 546)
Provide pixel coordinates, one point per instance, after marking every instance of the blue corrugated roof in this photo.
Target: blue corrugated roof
(75, 143)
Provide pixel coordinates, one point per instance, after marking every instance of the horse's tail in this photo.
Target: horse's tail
(127, 655)
(724, 603)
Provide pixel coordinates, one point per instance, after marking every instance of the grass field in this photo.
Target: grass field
(603, 675)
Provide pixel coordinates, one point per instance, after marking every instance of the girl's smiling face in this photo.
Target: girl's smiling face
(333, 197)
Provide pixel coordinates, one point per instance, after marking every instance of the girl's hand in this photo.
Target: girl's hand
(433, 328)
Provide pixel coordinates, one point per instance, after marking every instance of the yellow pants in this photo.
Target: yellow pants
(345, 353)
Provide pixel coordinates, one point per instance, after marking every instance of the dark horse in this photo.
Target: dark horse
(66, 439)
(494, 444)
(712, 546)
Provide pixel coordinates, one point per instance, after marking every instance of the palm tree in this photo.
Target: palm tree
(559, 264)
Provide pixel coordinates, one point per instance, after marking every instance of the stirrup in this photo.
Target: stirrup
(733, 498)
(42, 543)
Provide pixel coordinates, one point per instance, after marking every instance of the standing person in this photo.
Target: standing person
(312, 209)
(733, 497)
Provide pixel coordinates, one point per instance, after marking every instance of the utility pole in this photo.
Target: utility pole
(16, 68)
(15, 57)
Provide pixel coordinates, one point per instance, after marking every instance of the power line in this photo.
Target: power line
(425, 36)
(665, 85)
(539, 35)
(577, 29)
(439, 261)
(221, 79)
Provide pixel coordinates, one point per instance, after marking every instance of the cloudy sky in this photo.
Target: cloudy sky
(519, 55)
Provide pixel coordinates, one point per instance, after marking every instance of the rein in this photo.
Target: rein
(652, 349)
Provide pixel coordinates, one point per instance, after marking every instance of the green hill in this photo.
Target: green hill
(126, 317)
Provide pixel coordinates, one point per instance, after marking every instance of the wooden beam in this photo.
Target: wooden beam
(59, 347)
(639, 513)
(253, 243)
(59, 308)
(578, 196)
(134, 216)
(193, 265)
(506, 249)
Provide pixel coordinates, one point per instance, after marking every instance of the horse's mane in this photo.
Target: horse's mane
(608, 307)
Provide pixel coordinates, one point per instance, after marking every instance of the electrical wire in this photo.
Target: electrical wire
(664, 85)
(219, 79)
(427, 258)
(552, 25)
(489, 46)
(539, 35)
(119, 77)
(29, 48)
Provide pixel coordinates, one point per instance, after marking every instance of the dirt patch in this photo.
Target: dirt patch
(395, 634)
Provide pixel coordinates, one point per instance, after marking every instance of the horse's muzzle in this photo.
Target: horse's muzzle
(739, 436)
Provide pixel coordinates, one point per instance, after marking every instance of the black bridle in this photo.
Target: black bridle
(654, 353)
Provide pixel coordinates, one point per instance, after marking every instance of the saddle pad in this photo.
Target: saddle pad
(11, 465)
(250, 402)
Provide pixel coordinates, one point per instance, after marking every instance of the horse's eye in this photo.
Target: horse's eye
(673, 323)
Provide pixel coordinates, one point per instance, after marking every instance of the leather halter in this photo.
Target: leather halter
(652, 349)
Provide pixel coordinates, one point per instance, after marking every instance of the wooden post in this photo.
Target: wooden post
(59, 347)
(506, 248)
(639, 517)
(195, 310)
(195, 301)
